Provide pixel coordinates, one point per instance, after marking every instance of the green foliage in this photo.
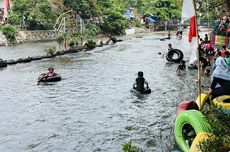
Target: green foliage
(71, 43)
(164, 9)
(92, 30)
(220, 124)
(37, 14)
(85, 8)
(114, 23)
(9, 31)
(50, 50)
(91, 43)
(128, 147)
(60, 39)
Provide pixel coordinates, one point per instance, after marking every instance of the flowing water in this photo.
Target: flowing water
(92, 108)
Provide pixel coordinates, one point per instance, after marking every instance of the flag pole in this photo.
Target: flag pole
(198, 56)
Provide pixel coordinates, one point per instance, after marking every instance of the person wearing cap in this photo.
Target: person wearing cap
(140, 82)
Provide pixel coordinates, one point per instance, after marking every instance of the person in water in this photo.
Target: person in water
(169, 35)
(50, 73)
(140, 82)
(170, 47)
(181, 68)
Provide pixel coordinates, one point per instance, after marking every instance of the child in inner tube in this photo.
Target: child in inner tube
(181, 68)
(140, 82)
(51, 73)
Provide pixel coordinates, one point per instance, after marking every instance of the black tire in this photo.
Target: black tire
(170, 54)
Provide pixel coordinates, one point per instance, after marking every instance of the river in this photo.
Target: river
(92, 108)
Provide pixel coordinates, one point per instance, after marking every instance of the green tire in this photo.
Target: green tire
(193, 119)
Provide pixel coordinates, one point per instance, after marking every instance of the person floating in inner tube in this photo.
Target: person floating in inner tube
(181, 68)
(140, 82)
(44, 76)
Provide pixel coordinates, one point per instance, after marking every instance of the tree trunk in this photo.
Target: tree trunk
(227, 6)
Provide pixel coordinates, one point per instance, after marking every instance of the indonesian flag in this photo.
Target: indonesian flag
(188, 12)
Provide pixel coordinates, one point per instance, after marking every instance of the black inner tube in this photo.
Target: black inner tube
(172, 52)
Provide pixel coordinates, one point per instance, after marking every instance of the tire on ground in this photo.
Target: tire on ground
(189, 118)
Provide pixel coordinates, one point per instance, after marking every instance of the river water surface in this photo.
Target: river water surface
(92, 108)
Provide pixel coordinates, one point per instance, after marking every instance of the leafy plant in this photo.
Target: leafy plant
(71, 43)
(114, 23)
(36, 14)
(59, 40)
(128, 147)
(50, 50)
(92, 29)
(91, 44)
(220, 124)
(9, 31)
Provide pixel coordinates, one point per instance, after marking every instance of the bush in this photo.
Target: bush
(137, 23)
(220, 124)
(114, 23)
(92, 30)
(71, 43)
(9, 31)
(91, 44)
(50, 50)
(59, 40)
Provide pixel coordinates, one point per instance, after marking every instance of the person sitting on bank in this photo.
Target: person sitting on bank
(181, 68)
(140, 82)
(111, 38)
(221, 77)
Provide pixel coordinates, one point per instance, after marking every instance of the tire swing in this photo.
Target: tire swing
(188, 124)
(171, 53)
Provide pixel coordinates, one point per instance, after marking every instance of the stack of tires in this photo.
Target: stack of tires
(188, 125)
(191, 127)
(173, 52)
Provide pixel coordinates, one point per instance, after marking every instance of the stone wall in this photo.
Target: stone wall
(30, 36)
(35, 36)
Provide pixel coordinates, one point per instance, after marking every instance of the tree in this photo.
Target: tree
(37, 14)
(59, 40)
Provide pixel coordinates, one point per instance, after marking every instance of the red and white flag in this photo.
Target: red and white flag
(188, 12)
